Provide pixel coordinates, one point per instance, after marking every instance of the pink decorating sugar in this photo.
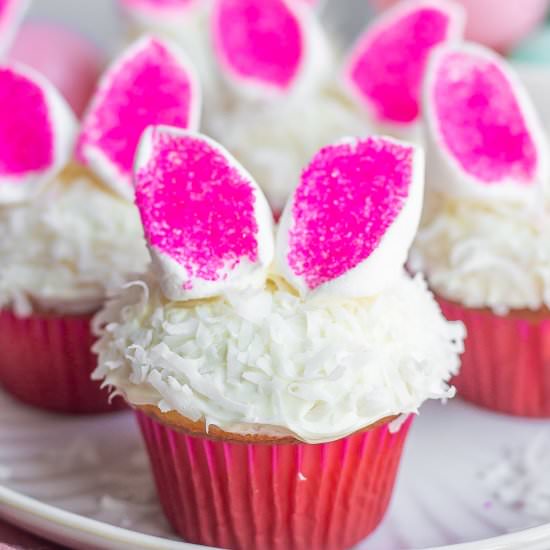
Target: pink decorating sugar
(481, 121)
(26, 134)
(260, 41)
(150, 88)
(196, 207)
(389, 63)
(347, 199)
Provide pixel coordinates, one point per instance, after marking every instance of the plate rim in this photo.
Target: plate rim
(19, 502)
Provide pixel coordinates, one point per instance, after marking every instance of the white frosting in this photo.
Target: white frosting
(383, 266)
(481, 255)
(63, 129)
(275, 141)
(66, 248)
(268, 360)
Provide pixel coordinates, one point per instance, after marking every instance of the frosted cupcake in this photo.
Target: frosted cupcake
(69, 229)
(287, 105)
(484, 241)
(282, 100)
(270, 368)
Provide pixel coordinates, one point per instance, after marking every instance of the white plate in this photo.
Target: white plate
(90, 484)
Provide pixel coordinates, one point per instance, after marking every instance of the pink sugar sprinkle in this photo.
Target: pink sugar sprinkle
(481, 120)
(390, 62)
(347, 199)
(260, 41)
(26, 134)
(196, 207)
(150, 88)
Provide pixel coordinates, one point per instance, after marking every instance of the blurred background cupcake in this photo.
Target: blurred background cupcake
(485, 235)
(70, 230)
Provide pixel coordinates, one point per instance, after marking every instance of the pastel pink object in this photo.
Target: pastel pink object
(506, 362)
(248, 496)
(46, 361)
(67, 59)
(482, 126)
(36, 133)
(386, 68)
(259, 44)
(198, 207)
(496, 23)
(481, 121)
(151, 83)
(11, 13)
(348, 198)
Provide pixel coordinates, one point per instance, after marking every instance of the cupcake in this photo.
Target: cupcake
(265, 371)
(282, 100)
(288, 104)
(70, 231)
(484, 242)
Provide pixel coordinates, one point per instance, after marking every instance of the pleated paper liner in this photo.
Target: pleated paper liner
(506, 364)
(273, 496)
(46, 361)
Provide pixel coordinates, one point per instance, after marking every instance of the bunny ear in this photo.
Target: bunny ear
(386, 67)
(265, 47)
(151, 83)
(11, 14)
(208, 226)
(483, 132)
(348, 227)
(37, 131)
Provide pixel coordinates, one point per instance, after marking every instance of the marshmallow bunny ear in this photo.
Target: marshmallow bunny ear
(208, 226)
(348, 227)
(484, 135)
(151, 83)
(267, 47)
(11, 14)
(386, 67)
(37, 132)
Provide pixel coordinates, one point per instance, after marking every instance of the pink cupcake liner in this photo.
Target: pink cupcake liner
(506, 364)
(46, 361)
(266, 496)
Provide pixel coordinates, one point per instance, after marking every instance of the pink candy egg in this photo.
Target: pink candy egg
(69, 61)
(496, 23)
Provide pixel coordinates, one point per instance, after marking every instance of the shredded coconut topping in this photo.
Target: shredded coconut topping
(319, 370)
(67, 247)
(485, 255)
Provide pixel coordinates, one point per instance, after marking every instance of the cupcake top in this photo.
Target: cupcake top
(70, 230)
(485, 236)
(377, 87)
(306, 334)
